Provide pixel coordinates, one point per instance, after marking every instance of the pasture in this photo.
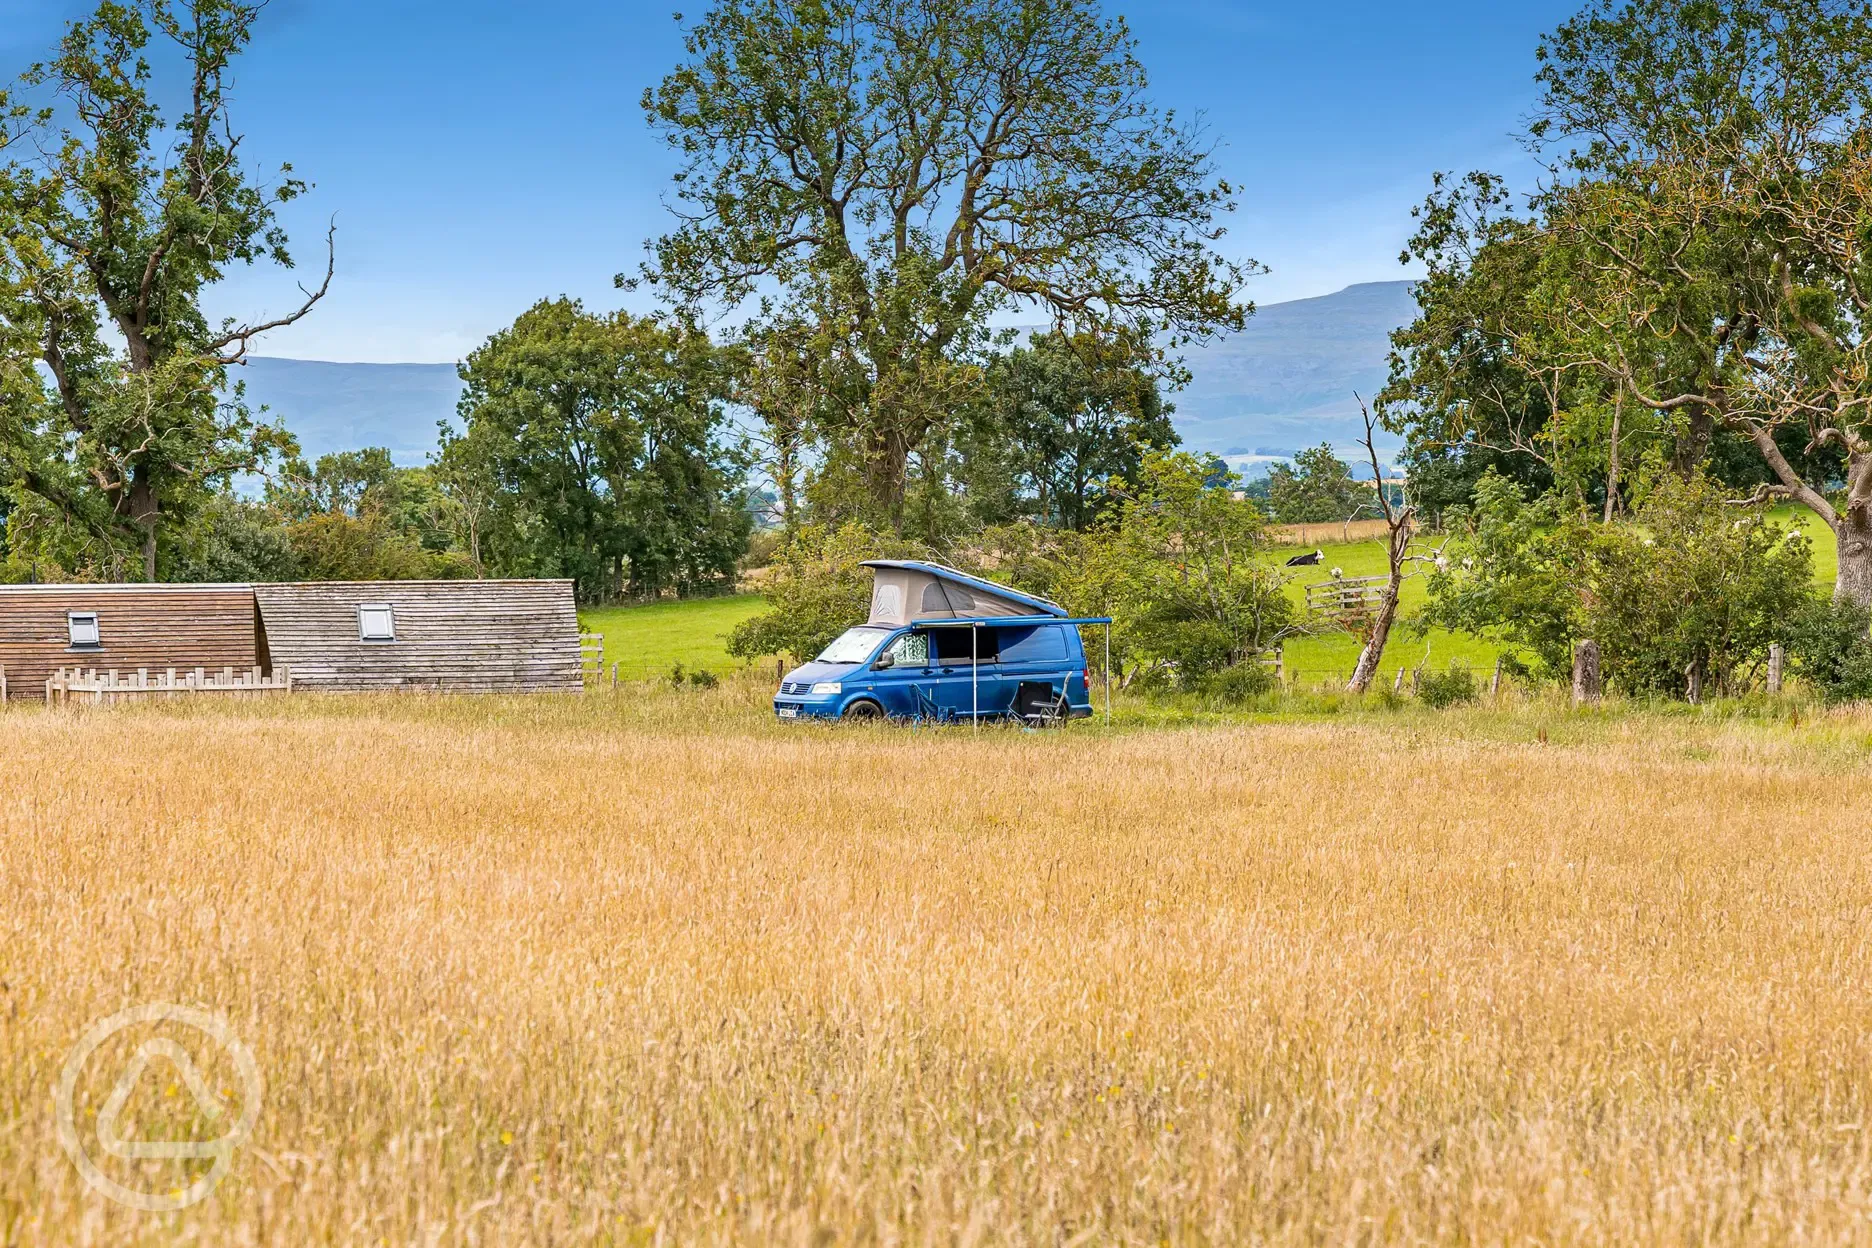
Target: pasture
(646, 641)
(652, 969)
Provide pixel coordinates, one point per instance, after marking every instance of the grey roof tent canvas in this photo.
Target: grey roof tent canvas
(912, 593)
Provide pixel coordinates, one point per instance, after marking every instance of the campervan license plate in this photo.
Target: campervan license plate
(789, 712)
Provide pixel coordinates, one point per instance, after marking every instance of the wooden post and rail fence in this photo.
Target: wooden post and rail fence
(591, 658)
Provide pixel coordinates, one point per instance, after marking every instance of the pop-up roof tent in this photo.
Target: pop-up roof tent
(911, 593)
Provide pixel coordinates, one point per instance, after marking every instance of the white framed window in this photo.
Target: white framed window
(83, 626)
(376, 622)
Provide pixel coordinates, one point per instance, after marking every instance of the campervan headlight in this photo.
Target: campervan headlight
(828, 687)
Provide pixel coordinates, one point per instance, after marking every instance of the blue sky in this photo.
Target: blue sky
(482, 154)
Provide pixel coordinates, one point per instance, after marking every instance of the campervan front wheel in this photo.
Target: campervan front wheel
(863, 711)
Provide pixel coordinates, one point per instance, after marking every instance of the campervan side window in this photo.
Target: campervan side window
(953, 645)
(911, 650)
(376, 622)
(83, 628)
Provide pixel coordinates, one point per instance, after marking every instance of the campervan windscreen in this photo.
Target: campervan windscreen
(855, 646)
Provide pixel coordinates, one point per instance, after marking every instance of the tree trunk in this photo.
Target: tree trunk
(146, 514)
(1693, 442)
(1853, 584)
(786, 471)
(1612, 458)
(886, 471)
(1373, 654)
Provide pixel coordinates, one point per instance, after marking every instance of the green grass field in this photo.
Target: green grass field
(647, 641)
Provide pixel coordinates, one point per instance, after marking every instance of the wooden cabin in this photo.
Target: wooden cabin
(122, 628)
(454, 636)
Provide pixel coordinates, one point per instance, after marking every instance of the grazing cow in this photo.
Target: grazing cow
(1307, 561)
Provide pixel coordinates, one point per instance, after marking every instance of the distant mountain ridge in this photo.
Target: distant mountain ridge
(342, 407)
(1286, 382)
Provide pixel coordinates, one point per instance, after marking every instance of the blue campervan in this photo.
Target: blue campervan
(944, 646)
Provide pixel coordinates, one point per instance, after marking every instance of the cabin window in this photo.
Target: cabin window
(376, 622)
(83, 626)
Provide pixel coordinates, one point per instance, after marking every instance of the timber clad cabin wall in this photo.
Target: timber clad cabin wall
(458, 636)
(140, 626)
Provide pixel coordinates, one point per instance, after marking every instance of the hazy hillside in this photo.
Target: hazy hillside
(340, 407)
(1285, 383)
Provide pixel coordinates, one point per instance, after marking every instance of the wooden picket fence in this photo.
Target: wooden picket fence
(68, 685)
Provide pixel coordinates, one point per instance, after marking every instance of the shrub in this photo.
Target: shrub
(1692, 581)
(1445, 689)
(1178, 567)
(818, 591)
(1831, 650)
(700, 678)
(1241, 684)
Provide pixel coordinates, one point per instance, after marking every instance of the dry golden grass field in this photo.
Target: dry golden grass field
(653, 970)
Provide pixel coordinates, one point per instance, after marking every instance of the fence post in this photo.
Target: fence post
(1777, 665)
(1494, 688)
(1587, 685)
(614, 674)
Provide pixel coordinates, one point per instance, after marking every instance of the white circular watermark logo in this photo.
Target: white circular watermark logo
(182, 1185)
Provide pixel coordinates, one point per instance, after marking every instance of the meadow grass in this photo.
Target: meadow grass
(653, 969)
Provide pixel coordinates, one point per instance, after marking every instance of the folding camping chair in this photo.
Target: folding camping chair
(1039, 705)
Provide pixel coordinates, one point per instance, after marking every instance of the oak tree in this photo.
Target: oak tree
(114, 219)
(893, 174)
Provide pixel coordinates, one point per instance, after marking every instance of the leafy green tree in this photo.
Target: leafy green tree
(1832, 652)
(233, 541)
(369, 546)
(1073, 414)
(891, 175)
(1178, 566)
(1318, 488)
(1465, 388)
(1700, 261)
(356, 516)
(598, 440)
(343, 483)
(109, 233)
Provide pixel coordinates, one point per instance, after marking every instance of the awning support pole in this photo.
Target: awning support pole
(975, 674)
(1108, 675)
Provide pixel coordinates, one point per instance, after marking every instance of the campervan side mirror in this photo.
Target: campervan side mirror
(883, 661)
